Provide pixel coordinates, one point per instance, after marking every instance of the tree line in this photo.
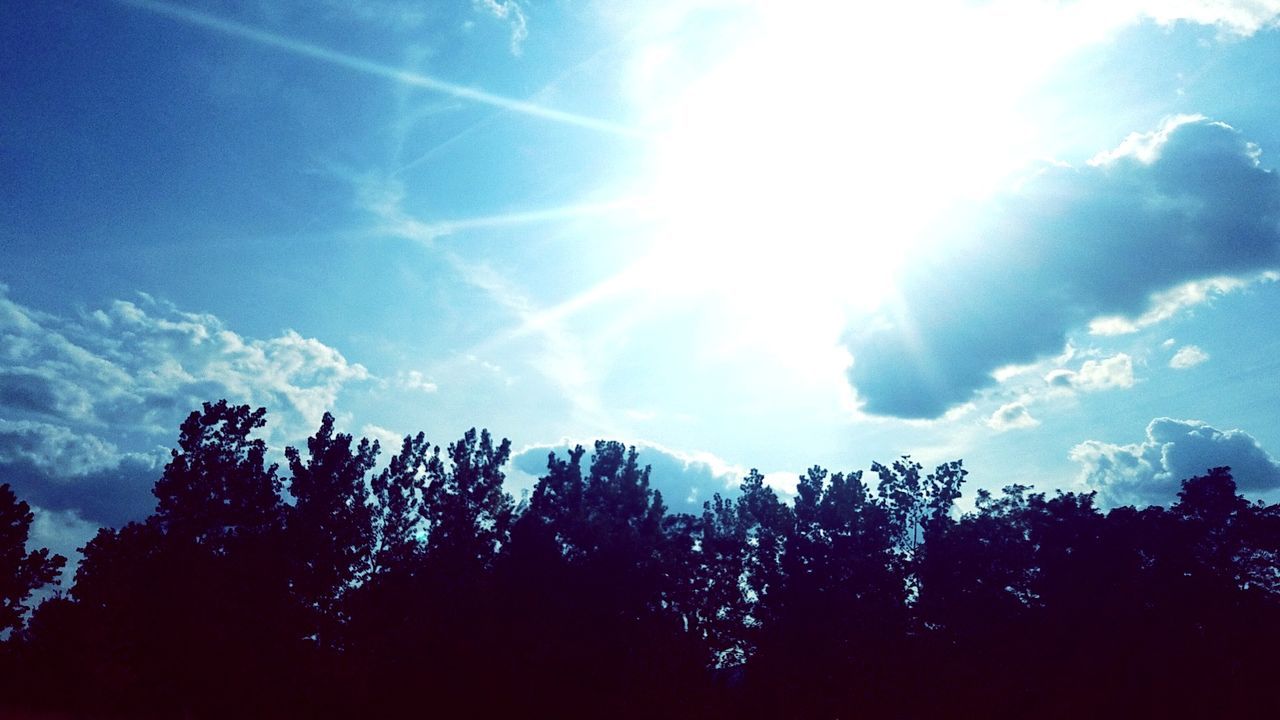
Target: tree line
(417, 587)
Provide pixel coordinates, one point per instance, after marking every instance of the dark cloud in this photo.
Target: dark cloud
(32, 391)
(1187, 202)
(59, 470)
(685, 482)
(1151, 472)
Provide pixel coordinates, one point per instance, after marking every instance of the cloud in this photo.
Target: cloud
(53, 448)
(74, 390)
(1188, 356)
(1169, 303)
(152, 363)
(1151, 472)
(1094, 375)
(1237, 17)
(415, 380)
(511, 12)
(63, 533)
(389, 440)
(1011, 416)
(686, 480)
(1186, 203)
(60, 470)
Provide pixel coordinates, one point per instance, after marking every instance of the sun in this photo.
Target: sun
(815, 158)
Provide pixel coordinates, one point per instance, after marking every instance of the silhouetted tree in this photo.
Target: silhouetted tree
(329, 528)
(217, 488)
(398, 492)
(706, 566)
(422, 589)
(21, 572)
(467, 512)
(191, 610)
(589, 562)
(768, 522)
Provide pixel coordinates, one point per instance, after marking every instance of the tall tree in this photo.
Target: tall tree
(589, 561)
(21, 572)
(467, 511)
(217, 485)
(191, 609)
(398, 492)
(329, 528)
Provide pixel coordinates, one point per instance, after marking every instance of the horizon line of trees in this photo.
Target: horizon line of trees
(420, 587)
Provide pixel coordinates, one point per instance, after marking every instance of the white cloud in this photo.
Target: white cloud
(1167, 304)
(54, 448)
(783, 482)
(1237, 17)
(1094, 375)
(1188, 356)
(73, 390)
(415, 380)
(1174, 450)
(511, 12)
(686, 480)
(1011, 416)
(389, 440)
(63, 532)
(150, 361)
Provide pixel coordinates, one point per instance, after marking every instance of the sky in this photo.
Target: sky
(1043, 237)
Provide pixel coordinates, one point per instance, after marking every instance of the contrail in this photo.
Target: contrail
(428, 232)
(351, 62)
(448, 227)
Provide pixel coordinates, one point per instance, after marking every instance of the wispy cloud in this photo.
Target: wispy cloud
(408, 227)
(559, 355)
(512, 13)
(306, 49)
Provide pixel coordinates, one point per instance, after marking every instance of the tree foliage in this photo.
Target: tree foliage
(420, 588)
(21, 572)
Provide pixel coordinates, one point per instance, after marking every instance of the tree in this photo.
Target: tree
(589, 562)
(428, 591)
(768, 522)
(329, 528)
(21, 572)
(398, 492)
(217, 487)
(191, 611)
(717, 545)
(467, 512)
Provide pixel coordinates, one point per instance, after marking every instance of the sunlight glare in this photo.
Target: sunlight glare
(798, 175)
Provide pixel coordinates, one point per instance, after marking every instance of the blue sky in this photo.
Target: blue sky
(1041, 237)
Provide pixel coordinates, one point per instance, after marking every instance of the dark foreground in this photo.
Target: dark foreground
(335, 589)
